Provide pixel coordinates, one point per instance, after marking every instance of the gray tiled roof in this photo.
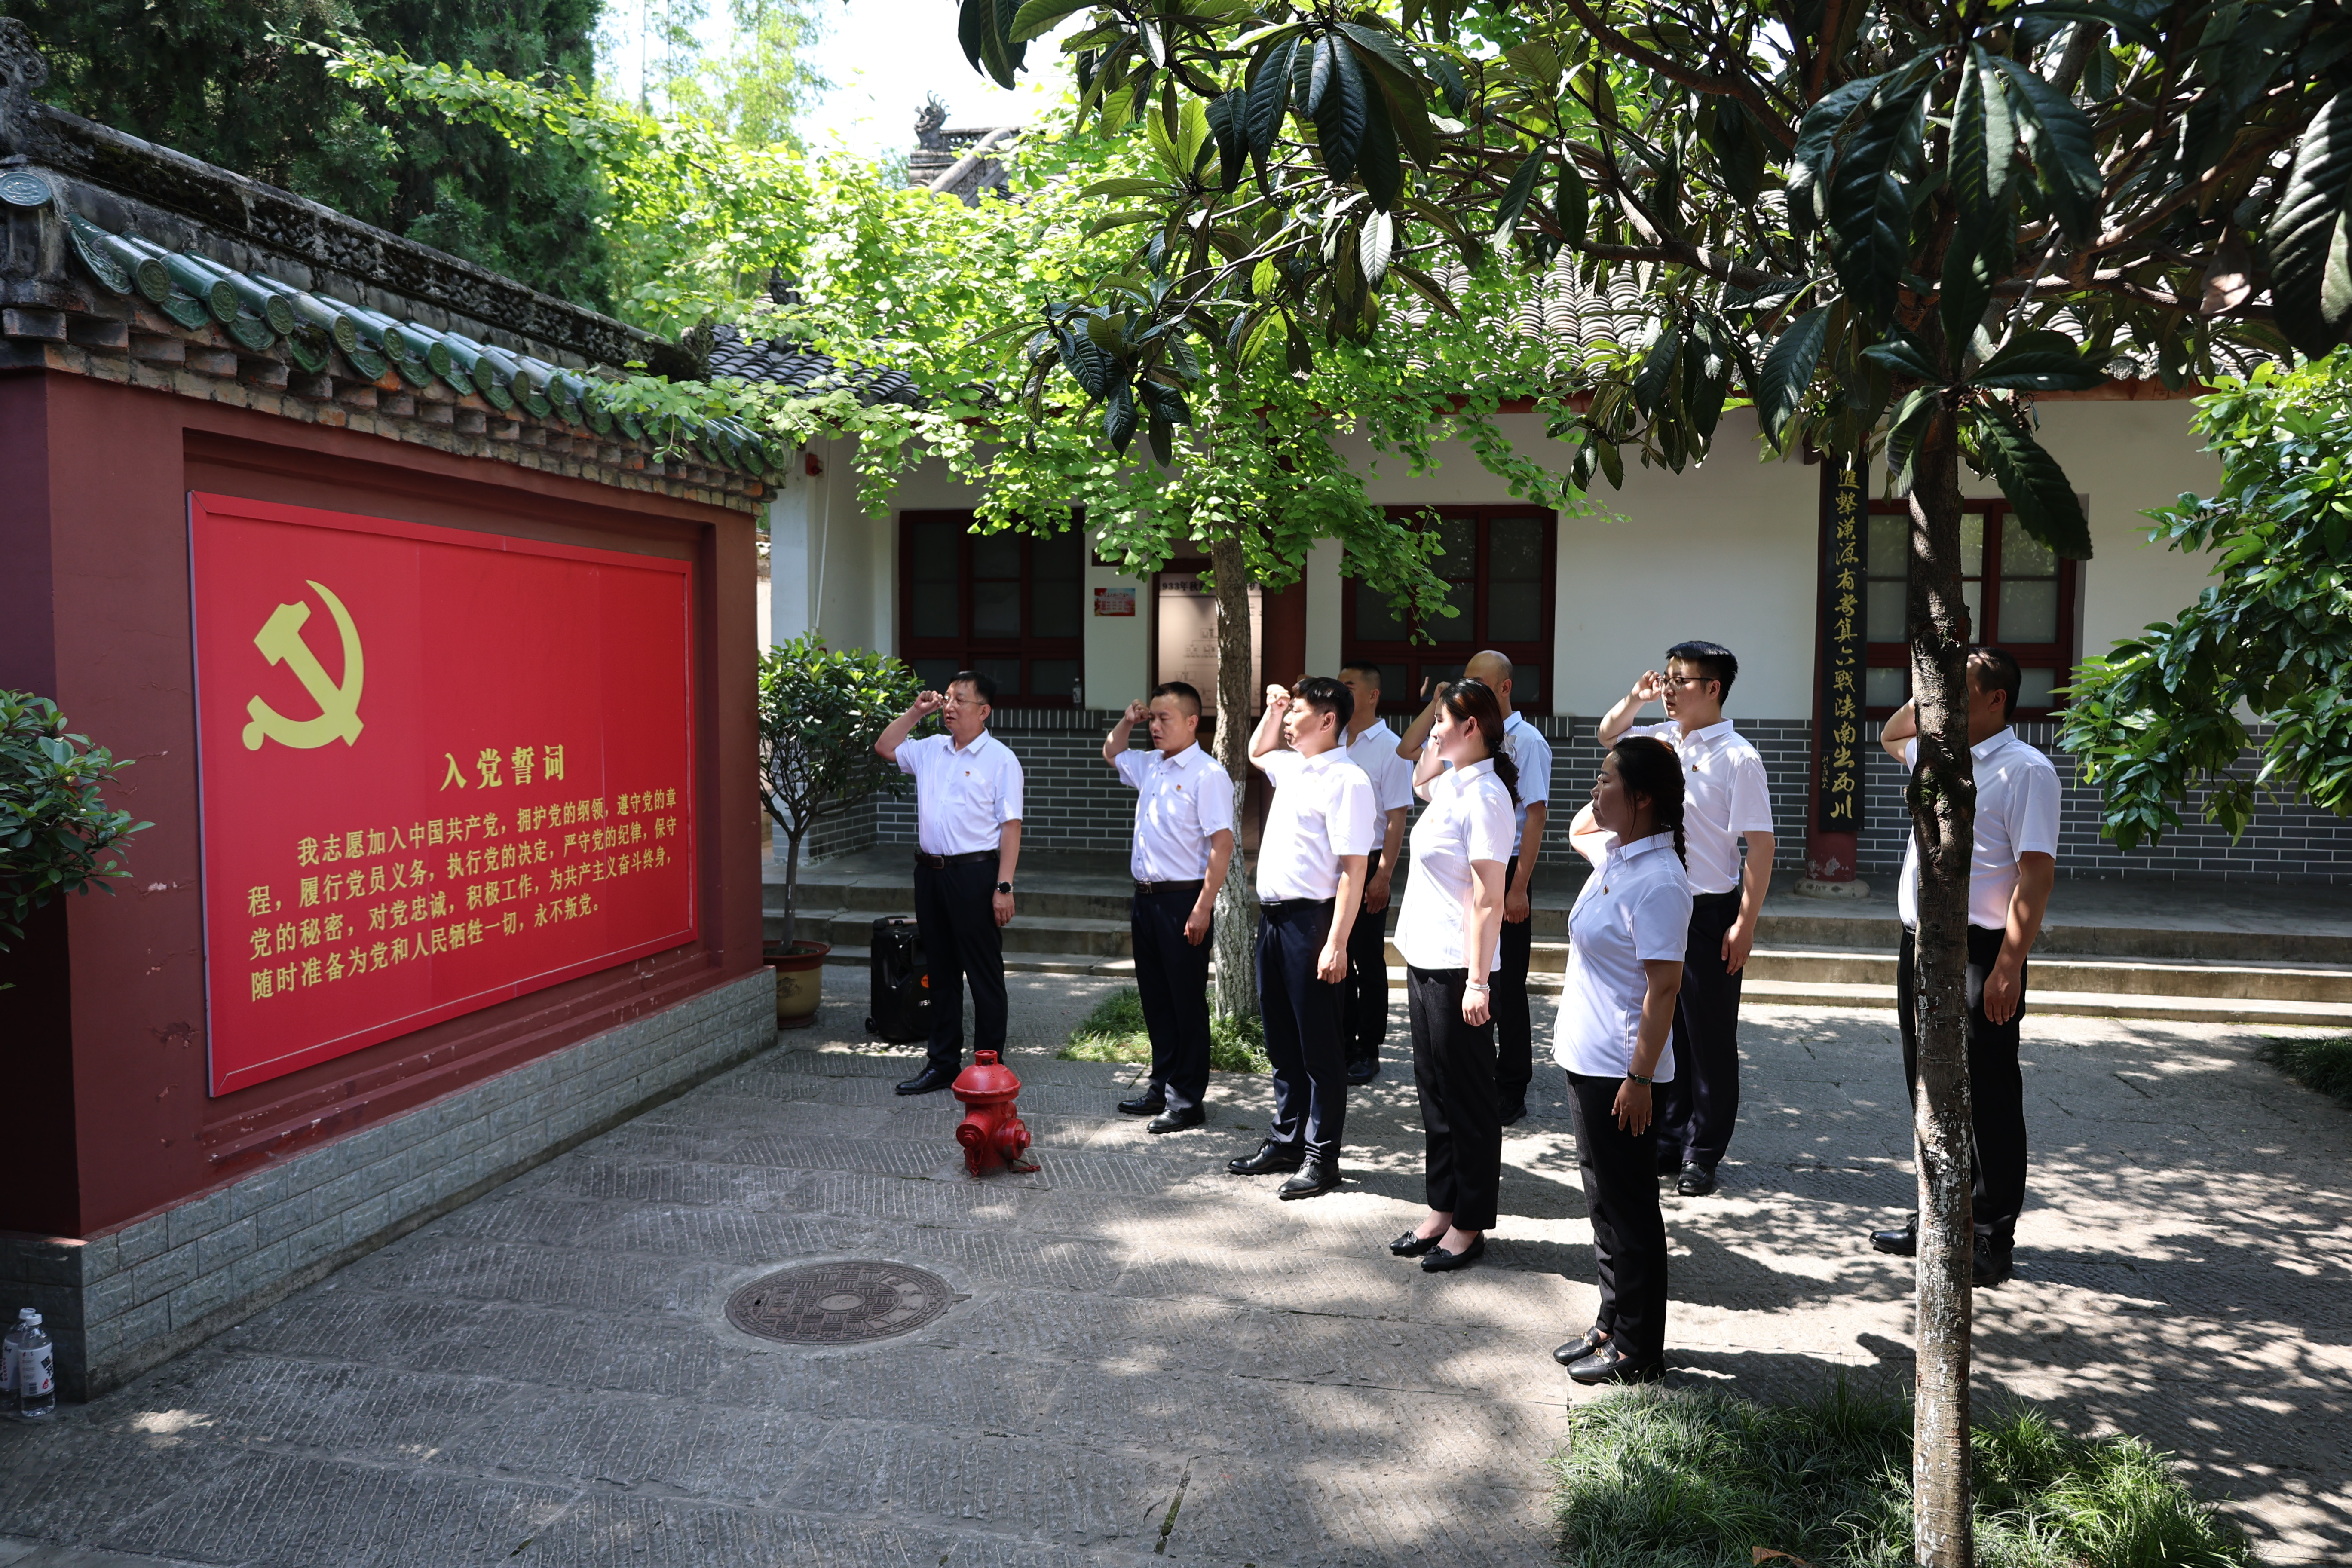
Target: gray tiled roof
(783, 363)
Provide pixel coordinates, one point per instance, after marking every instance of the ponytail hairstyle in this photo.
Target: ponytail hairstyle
(1648, 766)
(1473, 701)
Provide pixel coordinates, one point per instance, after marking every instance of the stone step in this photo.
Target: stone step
(2068, 974)
(2078, 1004)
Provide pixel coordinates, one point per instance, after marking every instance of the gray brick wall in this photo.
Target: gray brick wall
(124, 1301)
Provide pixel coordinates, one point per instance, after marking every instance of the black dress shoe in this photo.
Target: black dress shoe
(1697, 1181)
(1441, 1261)
(1412, 1245)
(1315, 1176)
(1576, 1351)
(1150, 1102)
(1176, 1120)
(1610, 1364)
(1514, 1112)
(1270, 1158)
(1364, 1071)
(1901, 1242)
(1992, 1265)
(931, 1081)
(1669, 1164)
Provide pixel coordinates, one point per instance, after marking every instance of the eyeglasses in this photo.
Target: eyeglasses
(1685, 680)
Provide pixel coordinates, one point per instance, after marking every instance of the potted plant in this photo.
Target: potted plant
(56, 835)
(820, 714)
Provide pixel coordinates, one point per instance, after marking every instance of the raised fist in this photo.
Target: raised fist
(1137, 712)
(1651, 688)
(928, 703)
(1277, 698)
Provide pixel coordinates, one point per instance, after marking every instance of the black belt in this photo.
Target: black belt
(935, 861)
(1147, 890)
(1713, 900)
(1296, 904)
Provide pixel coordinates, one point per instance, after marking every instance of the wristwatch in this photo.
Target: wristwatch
(1637, 1078)
(1004, 887)
(1478, 985)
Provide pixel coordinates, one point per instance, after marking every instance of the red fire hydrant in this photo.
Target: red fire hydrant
(993, 1133)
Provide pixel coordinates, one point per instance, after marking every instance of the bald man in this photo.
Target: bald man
(1507, 998)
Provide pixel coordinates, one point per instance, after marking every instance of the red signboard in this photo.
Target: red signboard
(438, 768)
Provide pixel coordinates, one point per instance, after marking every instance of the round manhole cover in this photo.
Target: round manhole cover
(839, 1304)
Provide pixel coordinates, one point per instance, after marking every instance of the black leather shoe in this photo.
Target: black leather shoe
(931, 1081)
(1697, 1181)
(1901, 1242)
(1576, 1351)
(1270, 1158)
(1992, 1265)
(1411, 1245)
(1669, 1164)
(1610, 1365)
(1443, 1262)
(1514, 1112)
(1313, 1177)
(1364, 1071)
(1150, 1102)
(1176, 1120)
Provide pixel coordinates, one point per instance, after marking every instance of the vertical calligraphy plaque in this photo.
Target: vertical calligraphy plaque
(1837, 758)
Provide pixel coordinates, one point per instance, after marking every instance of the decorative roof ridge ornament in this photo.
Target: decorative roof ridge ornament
(22, 72)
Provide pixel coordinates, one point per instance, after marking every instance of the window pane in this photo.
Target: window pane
(933, 548)
(933, 610)
(1513, 612)
(1376, 619)
(1055, 607)
(996, 609)
(1433, 672)
(996, 555)
(1890, 544)
(1972, 545)
(2029, 610)
(935, 673)
(1888, 610)
(1527, 686)
(1052, 676)
(1972, 595)
(1885, 685)
(1396, 684)
(1006, 673)
(2035, 687)
(1057, 560)
(1464, 597)
(2023, 556)
(1515, 549)
(1459, 538)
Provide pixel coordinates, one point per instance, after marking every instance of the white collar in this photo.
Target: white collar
(1643, 846)
(977, 741)
(1998, 740)
(1480, 769)
(1182, 759)
(1325, 757)
(1377, 727)
(1712, 733)
(1513, 718)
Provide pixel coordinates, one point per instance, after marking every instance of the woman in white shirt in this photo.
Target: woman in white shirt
(1627, 936)
(1449, 930)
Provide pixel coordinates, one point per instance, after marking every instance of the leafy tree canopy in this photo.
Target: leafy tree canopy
(55, 833)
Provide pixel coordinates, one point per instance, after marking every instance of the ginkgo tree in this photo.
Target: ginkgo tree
(1886, 223)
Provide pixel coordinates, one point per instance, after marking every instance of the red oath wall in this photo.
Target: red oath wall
(104, 1037)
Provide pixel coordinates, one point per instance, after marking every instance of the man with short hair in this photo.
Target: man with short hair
(1530, 754)
(2012, 864)
(1320, 831)
(968, 839)
(1364, 1000)
(1726, 798)
(1183, 844)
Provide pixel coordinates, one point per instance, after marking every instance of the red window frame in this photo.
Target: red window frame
(969, 651)
(1462, 636)
(2060, 655)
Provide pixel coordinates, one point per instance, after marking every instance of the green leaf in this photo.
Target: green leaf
(1903, 433)
(2065, 150)
(1268, 97)
(2311, 252)
(1817, 134)
(2127, 26)
(1338, 97)
(1393, 78)
(1428, 288)
(1225, 115)
(1039, 18)
(1657, 369)
(1374, 245)
(1571, 205)
(1984, 147)
(1787, 371)
(1378, 164)
(1514, 198)
(1904, 358)
(1536, 64)
(2035, 485)
(2040, 362)
(1870, 210)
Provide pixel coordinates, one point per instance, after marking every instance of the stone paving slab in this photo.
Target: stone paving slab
(1152, 1359)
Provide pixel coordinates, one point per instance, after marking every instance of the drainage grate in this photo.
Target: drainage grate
(839, 1304)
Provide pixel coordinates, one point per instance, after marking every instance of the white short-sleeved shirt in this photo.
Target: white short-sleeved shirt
(1322, 809)
(1375, 752)
(2017, 813)
(963, 798)
(1531, 754)
(1635, 907)
(1181, 803)
(1725, 795)
(1468, 819)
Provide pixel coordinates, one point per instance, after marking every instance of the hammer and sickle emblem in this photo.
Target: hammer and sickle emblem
(280, 641)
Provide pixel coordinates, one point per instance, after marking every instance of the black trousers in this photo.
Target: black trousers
(1364, 999)
(1453, 1069)
(1171, 977)
(1515, 1066)
(1302, 1029)
(955, 910)
(1996, 1084)
(1696, 1110)
(1629, 1233)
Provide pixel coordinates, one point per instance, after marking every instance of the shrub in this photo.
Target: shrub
(55, 831)
(2322, 1065)
(1115, 1032)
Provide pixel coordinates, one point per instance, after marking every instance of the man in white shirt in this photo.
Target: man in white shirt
(1530, 753)
(1319, 832)
(1364, 999)
(1727, 799)
(968, 836)
(1184, 845)
(2013, 863)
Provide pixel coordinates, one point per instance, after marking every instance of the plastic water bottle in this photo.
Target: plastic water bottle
(32, 1366)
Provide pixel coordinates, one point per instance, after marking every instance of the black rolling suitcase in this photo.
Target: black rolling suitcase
(901, 981)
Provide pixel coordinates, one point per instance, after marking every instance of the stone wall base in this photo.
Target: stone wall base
(129, 1300)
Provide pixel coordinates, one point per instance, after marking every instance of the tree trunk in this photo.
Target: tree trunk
(1942, 798)
(1236, 988)
(793, 887)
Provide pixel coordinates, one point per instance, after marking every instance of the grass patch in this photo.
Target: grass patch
(1700, 1478)
(1115, 1032)
(2324, 1065)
